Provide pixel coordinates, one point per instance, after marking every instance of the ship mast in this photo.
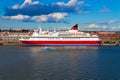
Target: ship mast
(40, 30)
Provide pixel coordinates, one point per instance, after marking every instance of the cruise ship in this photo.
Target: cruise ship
(71, 37)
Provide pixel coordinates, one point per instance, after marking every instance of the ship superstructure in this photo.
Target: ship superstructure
(61, 38)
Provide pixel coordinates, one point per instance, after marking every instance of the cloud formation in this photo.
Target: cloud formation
(46, 13)
(70, 3)
(104, 23)
(18, 17)
(53, 17)
(104, 27)
(83, 12)
(36, 8)
(50, 18)
(119, 27)
(105, 9)
(93, 26)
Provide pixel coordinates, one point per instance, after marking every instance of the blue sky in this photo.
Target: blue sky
(88, 14)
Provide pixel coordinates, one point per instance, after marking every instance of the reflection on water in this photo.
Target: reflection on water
(32, 63)
(63, 63)
(61, 48)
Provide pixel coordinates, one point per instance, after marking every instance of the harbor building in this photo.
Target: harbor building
(11, 38)
(109, 37)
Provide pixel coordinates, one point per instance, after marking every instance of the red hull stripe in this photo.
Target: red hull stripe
(61, 42)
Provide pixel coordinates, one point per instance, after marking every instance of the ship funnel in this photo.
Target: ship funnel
(75, 27)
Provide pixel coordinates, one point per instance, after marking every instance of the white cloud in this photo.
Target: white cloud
(105, 9)
(50, 18)
(53, 17)
(93, 26)
(17, 17)
(104, 27)
(26, 2)
(60, 3)
(29, 2)
(20, 17)
(16, 6)
(112, 21)
(58, 15)
(83, 12)
(36, 2)
(42, 18)
(113, 28)
(70, 3)
(119, 27)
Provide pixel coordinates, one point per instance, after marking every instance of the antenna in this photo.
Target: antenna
(54, 29)
(39, 30)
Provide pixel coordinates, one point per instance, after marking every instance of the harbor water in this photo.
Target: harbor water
(32, 63)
